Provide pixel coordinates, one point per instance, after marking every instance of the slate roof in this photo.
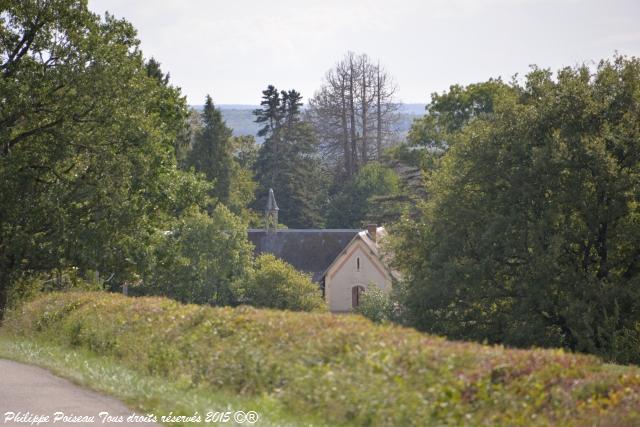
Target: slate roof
(311, 251)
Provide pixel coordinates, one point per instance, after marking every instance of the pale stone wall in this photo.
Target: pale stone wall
(344, 275)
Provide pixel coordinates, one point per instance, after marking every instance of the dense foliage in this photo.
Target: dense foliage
(89, 134)
(530, 234)
(342, 368)
(276, 284)
(203, 259)
(222, 159)
(84, 165)
(355, 200)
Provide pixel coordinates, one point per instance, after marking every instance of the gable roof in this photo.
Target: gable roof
(311, 251)
(374, 248)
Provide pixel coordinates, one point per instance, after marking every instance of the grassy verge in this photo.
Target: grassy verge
(342, 369)
(144, 393)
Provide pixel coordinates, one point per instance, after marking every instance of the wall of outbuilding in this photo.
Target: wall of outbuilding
(344, 275)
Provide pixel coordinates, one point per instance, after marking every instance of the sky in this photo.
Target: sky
(233, 49)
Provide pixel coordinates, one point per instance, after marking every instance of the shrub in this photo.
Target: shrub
(375, 304)
(277, 284)
(343, 368)
(26, 286)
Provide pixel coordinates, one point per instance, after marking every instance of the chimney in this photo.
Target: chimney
(372, 229)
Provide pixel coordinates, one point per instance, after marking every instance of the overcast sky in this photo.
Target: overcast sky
(233, 49)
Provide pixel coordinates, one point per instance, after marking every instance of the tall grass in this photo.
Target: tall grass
(344, 369)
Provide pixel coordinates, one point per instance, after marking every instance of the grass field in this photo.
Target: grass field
(302, 368)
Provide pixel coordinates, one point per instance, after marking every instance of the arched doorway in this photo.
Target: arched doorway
(356, 295)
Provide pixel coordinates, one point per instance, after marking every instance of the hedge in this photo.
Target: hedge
(342, 367)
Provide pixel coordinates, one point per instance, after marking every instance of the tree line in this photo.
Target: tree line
(319, 161)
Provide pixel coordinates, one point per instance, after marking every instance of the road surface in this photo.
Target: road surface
(28, 394)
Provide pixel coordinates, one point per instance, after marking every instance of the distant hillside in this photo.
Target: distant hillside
(412, 109)
(240, 118)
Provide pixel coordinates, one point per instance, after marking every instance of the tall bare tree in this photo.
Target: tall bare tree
(354, 112)
(386, 110)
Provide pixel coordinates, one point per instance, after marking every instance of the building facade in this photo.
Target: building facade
(343, 262)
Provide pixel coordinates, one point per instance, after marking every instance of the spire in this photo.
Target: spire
(271, 213)
(271, 202)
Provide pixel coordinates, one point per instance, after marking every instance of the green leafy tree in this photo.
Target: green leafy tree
(191, 125)
(356, 201)
(201, 259)
(451, 111)
(447, 113)
(276, 284)
(245, 154)
(87, 154)
(245, 151)
(530, 233)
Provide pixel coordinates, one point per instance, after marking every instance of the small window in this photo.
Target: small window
(356, 295)
(358, 264)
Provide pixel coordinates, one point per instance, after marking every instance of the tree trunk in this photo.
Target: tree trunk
(603, 270)
(348, 167)
(7, 267)
(3, 293)
(363, 94)
(352, 116)
(378, 113)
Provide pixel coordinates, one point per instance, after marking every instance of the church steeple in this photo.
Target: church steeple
(271, 213)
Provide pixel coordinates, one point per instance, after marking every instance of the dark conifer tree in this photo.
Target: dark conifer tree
(154, 70)
(288, 160)
(212, 152)
(270, 112)
(290, 107)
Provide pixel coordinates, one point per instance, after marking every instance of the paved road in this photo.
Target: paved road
(29, 391)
